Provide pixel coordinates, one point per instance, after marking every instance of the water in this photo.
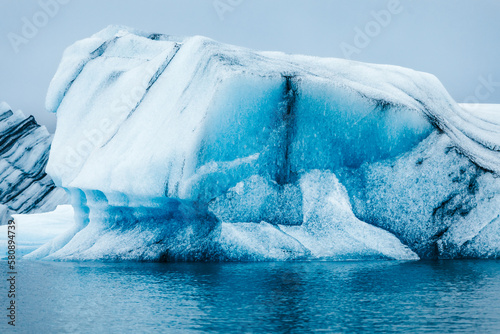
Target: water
(424, 296)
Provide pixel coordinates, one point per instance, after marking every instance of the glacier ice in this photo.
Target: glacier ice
(24, 150)
(433, 198)
(5, 214)
(186, 148)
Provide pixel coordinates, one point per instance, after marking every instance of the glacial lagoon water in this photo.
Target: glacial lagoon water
(286, 297)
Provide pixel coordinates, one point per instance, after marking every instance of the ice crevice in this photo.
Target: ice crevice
(287, 110)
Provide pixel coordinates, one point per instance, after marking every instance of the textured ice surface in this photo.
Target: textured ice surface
(433, 198)
(331, 230)
(186, 148)
(24, 150)
(5, 213)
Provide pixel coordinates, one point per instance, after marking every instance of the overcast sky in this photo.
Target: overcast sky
(458, 41)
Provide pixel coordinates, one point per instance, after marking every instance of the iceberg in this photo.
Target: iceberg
(24, 150)
(177, 148)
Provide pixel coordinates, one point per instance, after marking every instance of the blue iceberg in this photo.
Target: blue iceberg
(188, 149)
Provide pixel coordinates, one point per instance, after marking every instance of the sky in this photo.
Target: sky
(456, 40)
